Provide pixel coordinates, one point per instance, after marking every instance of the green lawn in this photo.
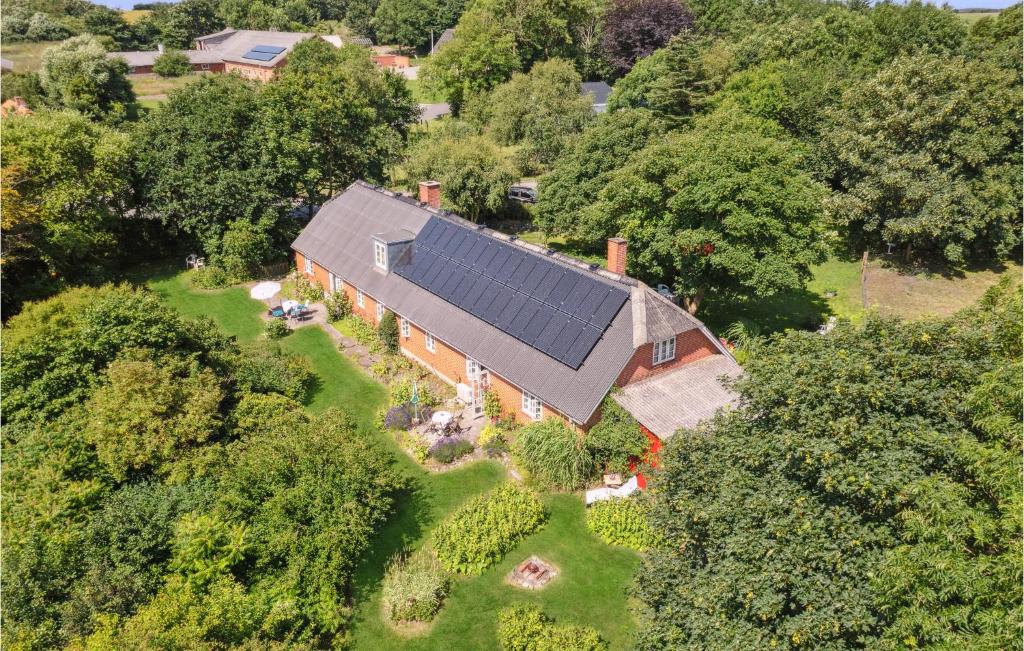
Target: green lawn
(231, 309)
(594, 581)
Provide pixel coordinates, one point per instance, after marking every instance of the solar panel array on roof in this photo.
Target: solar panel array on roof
(258, 56)
(558, 310)
(270, 49)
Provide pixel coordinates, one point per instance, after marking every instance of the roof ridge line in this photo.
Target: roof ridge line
(459, 220)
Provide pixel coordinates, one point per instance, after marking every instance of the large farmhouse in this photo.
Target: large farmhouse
(250, 53)
(551, 335)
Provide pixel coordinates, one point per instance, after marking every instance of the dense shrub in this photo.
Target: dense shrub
(387, 332)
(399, 416)
(616, 438)
(492, 404)
(308, 292)
(211, 277)
(414, 587)
(486, 528)
(554, 455)
(492, 440)
(338, 306)
(449, 448)
(526, 628)
(276, 328)
(244, 246)
(622, 522)
(264, 369)
(172, 64)
(401, 391)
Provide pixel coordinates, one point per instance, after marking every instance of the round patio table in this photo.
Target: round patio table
(441, 418)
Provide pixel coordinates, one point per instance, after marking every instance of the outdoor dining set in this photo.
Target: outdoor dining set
(291, 310)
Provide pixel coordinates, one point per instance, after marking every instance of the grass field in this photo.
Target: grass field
(155, 87)
(132, 16)
(971, 17)
(912, 296)
(594, 577)
(421, 94)
(25, 56)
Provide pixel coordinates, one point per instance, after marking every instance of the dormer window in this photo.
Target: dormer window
(380, 255)
(664, 350)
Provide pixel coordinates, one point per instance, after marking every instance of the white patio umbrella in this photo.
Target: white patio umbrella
(263, 291)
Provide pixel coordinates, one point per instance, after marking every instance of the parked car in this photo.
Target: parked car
(523, 194)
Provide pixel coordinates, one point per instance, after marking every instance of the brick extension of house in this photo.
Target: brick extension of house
(551, 335)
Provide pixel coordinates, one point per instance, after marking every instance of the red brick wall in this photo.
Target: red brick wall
(446, 361)
(259, 73)
(690, 346)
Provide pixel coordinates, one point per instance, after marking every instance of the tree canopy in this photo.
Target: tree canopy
(926, 154)
(725, 206)
(867, 494)
(77, 74)
(158, 489)
(634, 29)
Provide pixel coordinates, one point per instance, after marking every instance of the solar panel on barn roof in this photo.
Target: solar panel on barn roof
(258, 56)
(271, 49)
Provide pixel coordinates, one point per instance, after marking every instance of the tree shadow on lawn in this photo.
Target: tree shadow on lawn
(801, 310)
(924, 266)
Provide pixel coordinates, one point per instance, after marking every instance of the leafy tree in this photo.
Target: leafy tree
(724, 207)
(481, 56)
(405, 22)
(244, 246)
(541, 29)
(204, 163)
(104, 21)
(127, 545)
(172, 64)
(925, 154)
(999, 40)
(56, 349)
(313, 496)
(77, 74)
(541, 110)
(616, 439)
(475, 175)
(675, 82)
(328, 127)
(915, 26)
(179, 24)
(65, 192)
(586, 166)
(148, 412)
(634, 29)
(25, 85)
(856, 468)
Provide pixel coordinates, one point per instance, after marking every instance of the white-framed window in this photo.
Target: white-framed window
(664, 350)
(309, 266)
(405, 327)
(532, 406)
(360, 299)
(205, 66)
(380, 255)
(380, 310)
(429, 342)
(336, 284)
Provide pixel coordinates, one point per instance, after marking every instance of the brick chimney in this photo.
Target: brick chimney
(617, 255)
(430, 193)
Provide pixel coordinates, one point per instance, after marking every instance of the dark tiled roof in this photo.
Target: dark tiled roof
(599, 90)
(340, 238)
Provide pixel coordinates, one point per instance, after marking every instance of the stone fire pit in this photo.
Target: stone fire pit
(532, 574)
